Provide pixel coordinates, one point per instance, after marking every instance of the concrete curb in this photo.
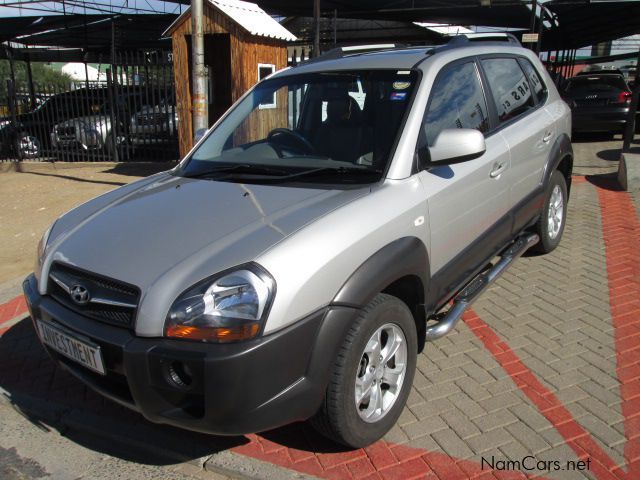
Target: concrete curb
(629, 171)
(226, 463)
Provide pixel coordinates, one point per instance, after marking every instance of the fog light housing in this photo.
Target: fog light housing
(179, 375)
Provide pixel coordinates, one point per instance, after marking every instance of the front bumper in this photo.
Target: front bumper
(236, 389)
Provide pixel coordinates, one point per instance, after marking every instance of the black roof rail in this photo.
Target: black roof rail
(466, 38)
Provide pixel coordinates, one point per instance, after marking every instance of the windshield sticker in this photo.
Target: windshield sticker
(403, 72)
(401, 85)
(398, 96)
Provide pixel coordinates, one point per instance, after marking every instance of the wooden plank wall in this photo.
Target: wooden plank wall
(247, 51)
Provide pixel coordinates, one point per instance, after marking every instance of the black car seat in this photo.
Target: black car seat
(341, 135)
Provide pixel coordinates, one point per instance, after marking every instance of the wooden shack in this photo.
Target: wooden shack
(243, 44)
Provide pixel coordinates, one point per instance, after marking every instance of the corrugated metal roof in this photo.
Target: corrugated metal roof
(246, 14)
(253, 19)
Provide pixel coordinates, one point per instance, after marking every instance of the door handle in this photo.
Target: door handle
(547, 137)
(498, 168)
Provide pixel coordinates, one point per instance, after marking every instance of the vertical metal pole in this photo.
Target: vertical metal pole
(32, 90)
(540, 30)
(11, 101)
(534, 7)
(633, 108)
(112, 117)
(316, 28)
(199, 95)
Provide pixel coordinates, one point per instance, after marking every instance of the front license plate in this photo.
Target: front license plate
(83, 352)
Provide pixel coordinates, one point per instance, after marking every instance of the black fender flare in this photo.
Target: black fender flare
(561, 149)
(402, 257)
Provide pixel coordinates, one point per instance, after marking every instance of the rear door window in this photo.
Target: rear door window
(510, 88)
(539, 88)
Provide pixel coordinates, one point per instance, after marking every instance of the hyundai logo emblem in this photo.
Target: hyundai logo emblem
(79, 294)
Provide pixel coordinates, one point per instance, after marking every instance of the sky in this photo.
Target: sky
(9, 8)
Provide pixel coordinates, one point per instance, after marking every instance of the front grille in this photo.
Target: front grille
(66, 132)
(110, 301)
(151, 119)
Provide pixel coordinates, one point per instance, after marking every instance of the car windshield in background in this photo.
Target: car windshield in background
(330, 127)
(597, 83)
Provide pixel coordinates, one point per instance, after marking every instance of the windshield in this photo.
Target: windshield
(330, 127)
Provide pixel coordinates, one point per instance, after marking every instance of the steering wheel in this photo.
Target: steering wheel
(306, 145)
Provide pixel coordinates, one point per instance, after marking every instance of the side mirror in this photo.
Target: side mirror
(456, 145)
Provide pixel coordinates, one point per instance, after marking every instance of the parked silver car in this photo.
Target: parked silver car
(292, 267)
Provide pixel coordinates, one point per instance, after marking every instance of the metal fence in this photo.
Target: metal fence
(130, 115)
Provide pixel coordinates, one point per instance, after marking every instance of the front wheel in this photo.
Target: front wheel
(28, 146)
(372, 375)
(550, 226)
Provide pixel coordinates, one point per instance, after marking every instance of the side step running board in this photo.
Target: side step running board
(479, 284)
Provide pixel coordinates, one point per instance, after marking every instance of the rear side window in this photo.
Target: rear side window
(539, 89)
(509, 86)
(457, 101)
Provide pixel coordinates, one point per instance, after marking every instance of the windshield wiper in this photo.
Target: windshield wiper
(322, 170)
(240, 167)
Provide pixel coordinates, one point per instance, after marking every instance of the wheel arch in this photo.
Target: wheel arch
(560, 158)
(401, 269)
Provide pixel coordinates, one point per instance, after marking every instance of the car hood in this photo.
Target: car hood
(166, 233)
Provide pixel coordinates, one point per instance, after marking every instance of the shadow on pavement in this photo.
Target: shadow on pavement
(49, 397)
(607, 181)
(590, 137)
(76, 179)
(35, 384)
(140, 169)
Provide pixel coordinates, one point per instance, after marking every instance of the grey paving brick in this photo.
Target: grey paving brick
(460, 424)
(490, 440)
(452, 444)
(530, 439)
(530, 416)
(499, 418)
(425, 426)
(500, 401)
(462, 402)
(473, 389)
(439, 391)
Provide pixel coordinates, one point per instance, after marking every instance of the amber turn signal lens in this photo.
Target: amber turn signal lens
(214, 334)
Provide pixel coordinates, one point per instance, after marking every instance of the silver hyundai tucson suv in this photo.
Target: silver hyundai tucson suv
(293, 265)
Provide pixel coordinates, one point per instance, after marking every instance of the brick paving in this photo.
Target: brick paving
(546, 365)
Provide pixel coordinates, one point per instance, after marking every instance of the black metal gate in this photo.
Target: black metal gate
(127, 113)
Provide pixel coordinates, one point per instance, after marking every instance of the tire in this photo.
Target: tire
(547, 227)
(355, 368)
(28, 146)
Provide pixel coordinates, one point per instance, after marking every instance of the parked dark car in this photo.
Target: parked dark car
(124, 122)
(599, 102)
(29, 136)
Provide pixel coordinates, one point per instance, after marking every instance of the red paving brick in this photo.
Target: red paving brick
(12, 309)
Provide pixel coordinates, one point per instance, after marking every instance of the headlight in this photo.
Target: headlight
(42, 244)
(226, 308)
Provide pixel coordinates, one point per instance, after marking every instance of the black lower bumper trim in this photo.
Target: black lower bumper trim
(227, 389)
